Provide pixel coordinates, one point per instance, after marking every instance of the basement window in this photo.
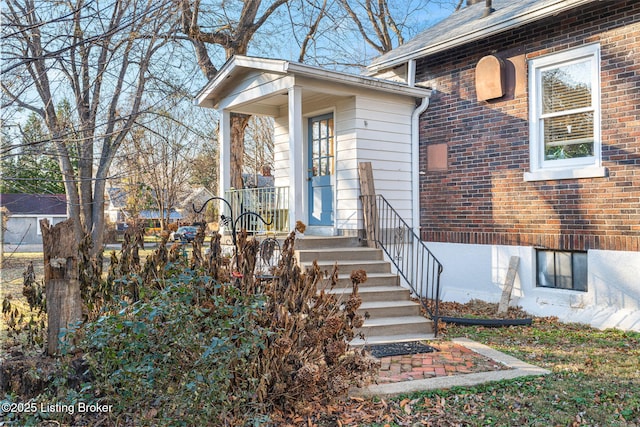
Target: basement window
(561, 270)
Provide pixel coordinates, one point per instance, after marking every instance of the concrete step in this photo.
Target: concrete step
(381, 309)
(390, 326)
(339, 254)
(318, 242)
(373, 279)
(373, 266)
(391, 316)
(374, 293)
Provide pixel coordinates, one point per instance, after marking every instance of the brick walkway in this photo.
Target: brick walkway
(451, 359)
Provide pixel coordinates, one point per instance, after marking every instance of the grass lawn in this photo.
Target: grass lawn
(595, 381)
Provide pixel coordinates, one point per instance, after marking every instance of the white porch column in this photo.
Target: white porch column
(297, 178)
(224, 138)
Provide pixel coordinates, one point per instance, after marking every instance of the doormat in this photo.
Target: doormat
(399, 349)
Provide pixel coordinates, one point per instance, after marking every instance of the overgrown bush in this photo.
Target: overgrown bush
(181, 355)
(197, 343)
(308, 359)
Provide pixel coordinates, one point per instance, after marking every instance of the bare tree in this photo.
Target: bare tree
(231, 25)
(204, 167)
(379, 20)
(347, 34)
(258, 145)
(312, 23)
(160, 150)
(100, 57)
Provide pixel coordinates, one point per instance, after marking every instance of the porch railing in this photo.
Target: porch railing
(415, 263)
(272, 203)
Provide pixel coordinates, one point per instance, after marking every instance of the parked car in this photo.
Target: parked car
(185, 233)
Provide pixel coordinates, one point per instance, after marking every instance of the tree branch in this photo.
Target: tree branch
(363, 33)
(313, 28)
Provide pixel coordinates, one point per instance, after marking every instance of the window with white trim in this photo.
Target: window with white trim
(564, 115)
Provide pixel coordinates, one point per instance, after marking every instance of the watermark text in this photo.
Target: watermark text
(54, 408)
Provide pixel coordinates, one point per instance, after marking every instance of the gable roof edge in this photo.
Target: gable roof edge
(280, 66)
(519, 20)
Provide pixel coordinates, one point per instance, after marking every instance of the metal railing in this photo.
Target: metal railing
(415, 263)
(272, 203)
(268, 254)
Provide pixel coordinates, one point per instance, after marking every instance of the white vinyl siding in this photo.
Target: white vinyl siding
(384, 139)
(281, 151)
(374, 129)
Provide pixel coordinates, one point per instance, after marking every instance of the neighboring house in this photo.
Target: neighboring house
(531, 147)
(509, 130)
(25, 212)
(116, 210)
(196, 197)
(257, 180)
(152, 219)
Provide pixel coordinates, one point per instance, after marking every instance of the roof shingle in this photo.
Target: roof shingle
(35, 204)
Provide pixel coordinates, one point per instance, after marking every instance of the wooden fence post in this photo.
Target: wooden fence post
(64, 302)
(503, 306)
(369, 211)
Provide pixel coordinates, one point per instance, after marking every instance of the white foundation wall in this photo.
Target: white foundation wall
(478, 272)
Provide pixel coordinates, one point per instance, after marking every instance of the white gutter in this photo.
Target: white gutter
(411, 73)
(415, 162)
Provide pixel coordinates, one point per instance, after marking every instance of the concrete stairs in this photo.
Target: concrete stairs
(390, 315)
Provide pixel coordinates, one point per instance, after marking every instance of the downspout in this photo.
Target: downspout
(415, 148)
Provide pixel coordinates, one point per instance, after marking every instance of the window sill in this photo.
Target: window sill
(553, 174)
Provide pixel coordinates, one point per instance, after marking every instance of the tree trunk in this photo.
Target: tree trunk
(239, 123)
(64, 302)
(97, 231)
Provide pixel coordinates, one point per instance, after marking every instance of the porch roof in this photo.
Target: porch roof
(279, 75)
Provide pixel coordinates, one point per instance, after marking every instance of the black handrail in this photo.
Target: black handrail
(414, 262)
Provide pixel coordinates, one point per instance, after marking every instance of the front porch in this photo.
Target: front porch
(402, 275)
(325, 122)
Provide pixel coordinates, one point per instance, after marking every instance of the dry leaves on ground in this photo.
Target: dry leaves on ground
(357, 411)
(480, 309)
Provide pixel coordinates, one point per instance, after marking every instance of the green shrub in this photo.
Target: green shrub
(179, 356)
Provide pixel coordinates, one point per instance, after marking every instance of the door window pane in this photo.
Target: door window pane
(322, 147)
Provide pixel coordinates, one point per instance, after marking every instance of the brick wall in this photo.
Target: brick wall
(482, 198)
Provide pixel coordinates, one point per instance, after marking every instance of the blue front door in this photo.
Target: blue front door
(321, 169)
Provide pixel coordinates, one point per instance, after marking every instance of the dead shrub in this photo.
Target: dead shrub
(308, 360)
